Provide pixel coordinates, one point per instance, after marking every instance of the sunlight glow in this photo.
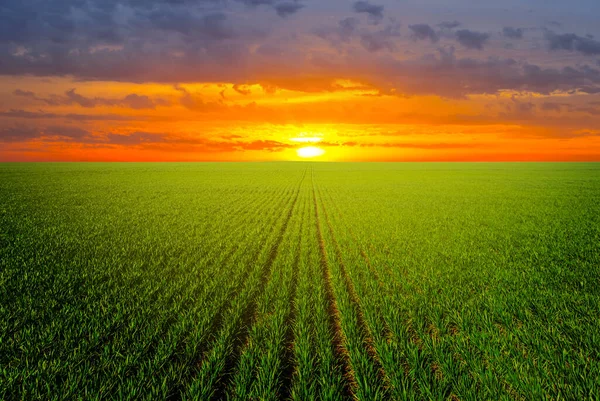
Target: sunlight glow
(310, 151)
(305, 139)
(308, 137)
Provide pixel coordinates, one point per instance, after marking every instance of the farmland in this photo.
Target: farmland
(272, 281)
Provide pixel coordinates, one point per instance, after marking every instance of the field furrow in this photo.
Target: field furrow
(288, 364)
(339, 337)
(310, 312)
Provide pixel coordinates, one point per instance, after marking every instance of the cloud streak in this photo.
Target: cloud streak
(70, 97)
(65, 133)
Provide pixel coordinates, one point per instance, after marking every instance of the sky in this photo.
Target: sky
(335, 80)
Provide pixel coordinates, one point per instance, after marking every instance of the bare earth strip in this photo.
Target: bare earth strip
(289, 364)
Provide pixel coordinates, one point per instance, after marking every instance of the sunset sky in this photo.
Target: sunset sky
(401, 80)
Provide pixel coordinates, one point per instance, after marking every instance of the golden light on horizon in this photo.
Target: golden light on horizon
(307, 139)
(310, 151)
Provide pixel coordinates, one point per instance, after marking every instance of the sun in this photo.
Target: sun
(310, 151)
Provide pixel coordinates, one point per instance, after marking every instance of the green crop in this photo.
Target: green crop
(300, 281)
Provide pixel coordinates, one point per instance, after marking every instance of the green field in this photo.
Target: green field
(303, 281)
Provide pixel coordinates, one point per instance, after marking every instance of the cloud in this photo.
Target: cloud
(255, 3)
(523, 107)
(282, 8)
(423, 32)
(589, 108)
(381, 39)
(347, 27)
(70, 97)
(17, 133)
(71, 134)
(119, 40)
(24, 114)
(512, 33)
(372, 39)
(242, 89)
(345, 30)
(555, 24)
(268, 145)
(572, 42)
(20, 133)
(472, 39)
(68, 133)
(196, 103)
(551, 106)
(446, 75)
(134, 138)
(140, 102)
(242, 41)
(374, 11)
(227, 143)
(29, 94)
(288, 8)
(212, 26)
(449, 24)
(109, 21)
(407, 145)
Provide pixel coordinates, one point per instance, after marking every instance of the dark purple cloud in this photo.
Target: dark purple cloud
(374, 11)
(381, 39)
(134, 138)
(472, 39)
(512, 33)
(573, 42)
(589, 108)
(372, 38)
(171, 41)
(288, 8)
(70, 97)
(29, 94)
(424, 32)
(18, 133)
(66, 133)
(39, 115)
(449, 24)
(447, 75)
